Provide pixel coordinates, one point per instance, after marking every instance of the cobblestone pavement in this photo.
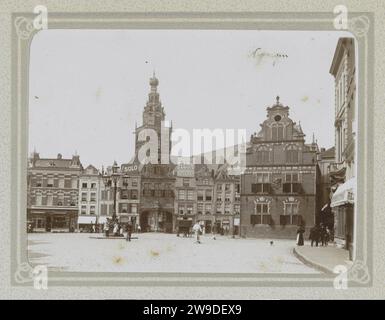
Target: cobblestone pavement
(157, 252)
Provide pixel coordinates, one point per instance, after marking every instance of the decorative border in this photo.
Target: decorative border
(360, 25)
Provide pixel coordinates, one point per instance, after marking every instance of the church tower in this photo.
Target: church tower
(153, 116)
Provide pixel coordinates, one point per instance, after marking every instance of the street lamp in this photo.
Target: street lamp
(110, 179)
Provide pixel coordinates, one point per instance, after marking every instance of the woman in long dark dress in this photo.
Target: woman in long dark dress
(300, 232)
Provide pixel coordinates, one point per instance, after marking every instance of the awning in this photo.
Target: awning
(344, 193)
(86, 220)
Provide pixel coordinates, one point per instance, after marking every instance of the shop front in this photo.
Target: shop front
(52, 220)
(156, 221)
(342, 204)
(86, 223)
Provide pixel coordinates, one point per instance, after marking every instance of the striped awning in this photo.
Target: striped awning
(344, 193)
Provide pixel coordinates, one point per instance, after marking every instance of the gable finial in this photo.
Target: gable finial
(277, 99)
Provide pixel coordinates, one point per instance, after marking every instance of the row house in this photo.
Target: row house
(120, 194)
(89, 194)
(53, 188)
(342, 172)
(185, 208)
(279, 183)
(227, 198)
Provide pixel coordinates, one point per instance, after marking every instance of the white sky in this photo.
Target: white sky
(88, 87)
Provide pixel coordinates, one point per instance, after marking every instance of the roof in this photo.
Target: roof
(56, 163)
(338, 54)
(329, 153)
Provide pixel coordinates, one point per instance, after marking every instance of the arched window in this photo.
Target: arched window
(292, 154)
(263, 155)
(277, 132)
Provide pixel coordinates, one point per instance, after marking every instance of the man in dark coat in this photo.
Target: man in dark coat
(300, 232)
(129, 231)
(314, 235)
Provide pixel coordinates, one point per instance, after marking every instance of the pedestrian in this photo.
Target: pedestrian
(300, 232)
(197, 229)
(115, 230)
(314, 235)
(107, 229)
(121, 234)
(323, 235)
(213, 230)
(327, 236)
(139, 228)
(129, 231)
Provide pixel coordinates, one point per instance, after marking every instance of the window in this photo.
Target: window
(103, 209)
(93, 197)
(186, 182)
(92, 210)
(181, 194)
(200, 195)
(134, 182)
(205, 181)
(292, 154)
(277, 132)
(228, 197)
(237, 209)
(219, 208)
(189, 209)
(208, 195)
(219, 197)
(49, 200)
(134, 208)
(83, 210)
(84, 185)
(181, 209)
(263, 155)
(124, 207)
(227, 209)
(227, 186)
(190, 195)
(123, 194)
(50, 182)
(38, 199)
(200, 208)
(261, 215)
(134, 194)
(60, 199)
(208, 208)
(84, 196)
(262, 184)
(291, 184)
(219, 187)
(290, 214)
(93, 185)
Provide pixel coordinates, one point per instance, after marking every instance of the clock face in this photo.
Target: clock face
(277, 118)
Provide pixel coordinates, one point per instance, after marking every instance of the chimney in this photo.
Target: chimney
(59, 156)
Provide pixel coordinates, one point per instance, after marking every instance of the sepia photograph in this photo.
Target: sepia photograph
(215, 151)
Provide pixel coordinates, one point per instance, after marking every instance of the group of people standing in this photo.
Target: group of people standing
(119, 229)
(318, 234)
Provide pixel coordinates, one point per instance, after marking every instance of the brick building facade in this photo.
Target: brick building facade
(53, 189)
(279, 184)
